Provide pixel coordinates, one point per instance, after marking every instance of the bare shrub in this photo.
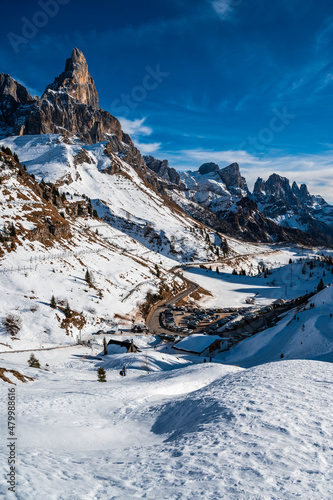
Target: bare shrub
(13, 324)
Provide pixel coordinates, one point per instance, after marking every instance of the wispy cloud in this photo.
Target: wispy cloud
(147, 149)
(135, 127)
(223, 8)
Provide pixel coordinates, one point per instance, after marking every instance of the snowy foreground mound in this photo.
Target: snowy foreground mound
(204, 431)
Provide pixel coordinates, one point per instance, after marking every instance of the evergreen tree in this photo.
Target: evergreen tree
(101, 374)
(67, 311)
(12, 231)
(53, 303)
(33, 361)
(320, 286)
(87, 277)
(63, 197)
(95, 213)
(105, 347)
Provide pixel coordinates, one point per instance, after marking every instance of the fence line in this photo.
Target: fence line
(34, 261)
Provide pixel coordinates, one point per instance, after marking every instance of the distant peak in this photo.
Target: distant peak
(231, 177)
(207, 168)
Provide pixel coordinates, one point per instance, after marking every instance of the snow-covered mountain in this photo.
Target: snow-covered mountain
(275, 211)
(293, 206)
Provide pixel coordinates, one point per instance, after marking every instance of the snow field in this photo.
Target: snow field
(204, 431)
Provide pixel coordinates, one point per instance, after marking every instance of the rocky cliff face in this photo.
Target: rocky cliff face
(294, 207)
(76, 81)
(162, 169)
(69, 106)
(232, 178)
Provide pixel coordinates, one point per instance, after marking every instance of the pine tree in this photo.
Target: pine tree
(95, 213)
(67, 311)
(53, 303)
(63, 197)
(87, 277)
(12, 232)
(105, 347)
(101, 374)
(320, 286)
(33, 361)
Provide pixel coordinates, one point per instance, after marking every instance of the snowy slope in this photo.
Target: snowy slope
(31, 272)
(304, 333)
(122, 199)
(206, 431)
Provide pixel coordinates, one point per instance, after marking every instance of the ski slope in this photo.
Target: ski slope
(201, 431)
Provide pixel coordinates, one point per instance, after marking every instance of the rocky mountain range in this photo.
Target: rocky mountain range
(274, 211)
(218, 197)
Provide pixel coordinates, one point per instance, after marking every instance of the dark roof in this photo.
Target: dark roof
(123, 343)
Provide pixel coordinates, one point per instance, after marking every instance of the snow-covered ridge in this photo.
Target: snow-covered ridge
(123, 198)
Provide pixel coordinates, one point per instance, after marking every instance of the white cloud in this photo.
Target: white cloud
(135, 127)
(147, 149)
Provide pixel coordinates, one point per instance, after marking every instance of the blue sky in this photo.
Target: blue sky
(236, 80)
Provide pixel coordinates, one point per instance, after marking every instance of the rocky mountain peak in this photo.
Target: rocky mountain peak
(231, 177)
(162, 169)
(69, 106)
(208, 168)
(76, 81)
(10, 87)
(305, 195)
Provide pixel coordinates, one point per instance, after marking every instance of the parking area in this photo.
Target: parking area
(185, 320)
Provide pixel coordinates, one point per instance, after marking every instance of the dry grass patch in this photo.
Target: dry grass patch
(18, 375)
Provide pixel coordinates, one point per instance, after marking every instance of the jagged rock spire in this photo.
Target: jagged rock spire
(76, 81)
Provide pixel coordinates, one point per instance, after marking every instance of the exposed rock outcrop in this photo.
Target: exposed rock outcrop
(76, 81)
(232, 178)
(162, 169)
(208, 168)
